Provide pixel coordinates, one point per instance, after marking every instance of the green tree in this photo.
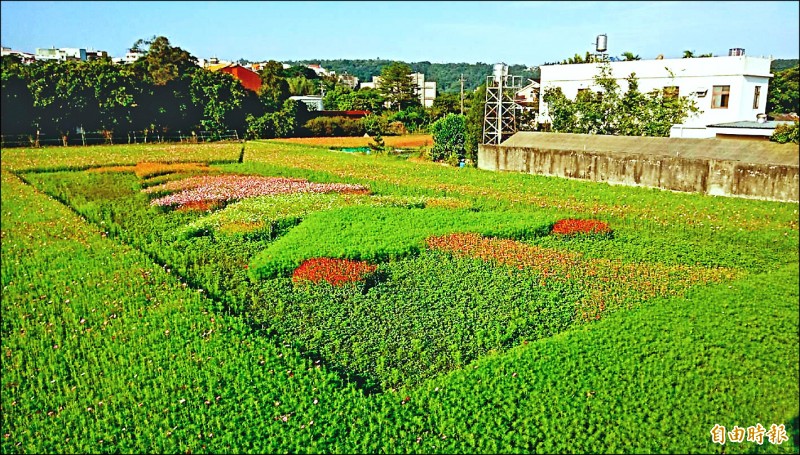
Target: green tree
(473, 135)
(783, 92)
(299, 71)
(629, 56)
(164, 62)
(414, 117)
(786, 133)
(285, 122)
(219, 95)
(449, 138)
(445, 103)
(606, 111)
(688, 54)
(397, 87)
(578, 59)
(17, 101)
(274, 87)
(301, 86)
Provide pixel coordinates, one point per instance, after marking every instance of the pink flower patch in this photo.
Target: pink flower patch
(233, 187)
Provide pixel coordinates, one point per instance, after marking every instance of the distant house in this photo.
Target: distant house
(726, 89)
(25, 57)
(747, 129)
(249, 79)
(96, 55)
(321, 71)
(132, 56)
(61, 54)
(528, 96)
(348, 80)
(426, 90)
(314, 102)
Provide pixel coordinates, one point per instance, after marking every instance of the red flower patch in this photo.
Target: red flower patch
(573, 226)
(334, 271)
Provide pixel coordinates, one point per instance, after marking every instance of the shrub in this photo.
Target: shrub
(448, 138)
(334, 126)
(786, 132)
(375, 124)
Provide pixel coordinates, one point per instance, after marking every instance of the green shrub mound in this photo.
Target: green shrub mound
(272, 215)
(379, 234)
(422, 317)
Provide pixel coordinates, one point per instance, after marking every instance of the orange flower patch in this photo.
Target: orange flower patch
(573, 227)
(148, 169)
(199, 206)
(334, 271)
(609, 284)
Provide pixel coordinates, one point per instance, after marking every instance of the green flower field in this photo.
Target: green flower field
(285, 298)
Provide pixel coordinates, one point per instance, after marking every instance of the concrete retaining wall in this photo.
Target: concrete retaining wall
(721, 177)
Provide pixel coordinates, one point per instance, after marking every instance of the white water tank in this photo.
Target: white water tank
(500, 72)
(602, 43)
(736, 52)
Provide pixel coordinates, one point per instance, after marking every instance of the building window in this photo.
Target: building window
(756, 96)
(720, 96)
(671, 91)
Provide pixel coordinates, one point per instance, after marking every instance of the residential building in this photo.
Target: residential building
(61, 54)
(96, 55)
(248, 78)
(321, 71)
(426, 90)
(528, 96)
(726, 89)
(348, 80)
(760, 129)
(132, 56)
(25, 57)
(314, 102)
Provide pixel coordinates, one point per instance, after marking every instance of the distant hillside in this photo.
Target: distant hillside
(446, 75)
(782, 64)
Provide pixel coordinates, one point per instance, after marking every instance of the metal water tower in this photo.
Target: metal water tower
(601, 46)
(602, 43)
(499, 115)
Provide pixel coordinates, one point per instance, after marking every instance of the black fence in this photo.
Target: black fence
(100, 137)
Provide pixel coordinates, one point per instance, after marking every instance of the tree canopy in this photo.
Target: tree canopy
(397, 87)
(607, 111)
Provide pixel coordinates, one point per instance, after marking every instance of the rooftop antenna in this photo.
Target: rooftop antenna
(499, 117)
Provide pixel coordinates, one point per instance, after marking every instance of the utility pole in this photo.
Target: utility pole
(462, 93)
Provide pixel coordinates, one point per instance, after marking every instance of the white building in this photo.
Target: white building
(725, 89)
(321, 72)
(426, 90)
(314, 102)
(25, 57)
(132, 56)
(61, 54)
(527, 96)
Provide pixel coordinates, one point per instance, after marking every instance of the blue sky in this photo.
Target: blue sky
(529, 33)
